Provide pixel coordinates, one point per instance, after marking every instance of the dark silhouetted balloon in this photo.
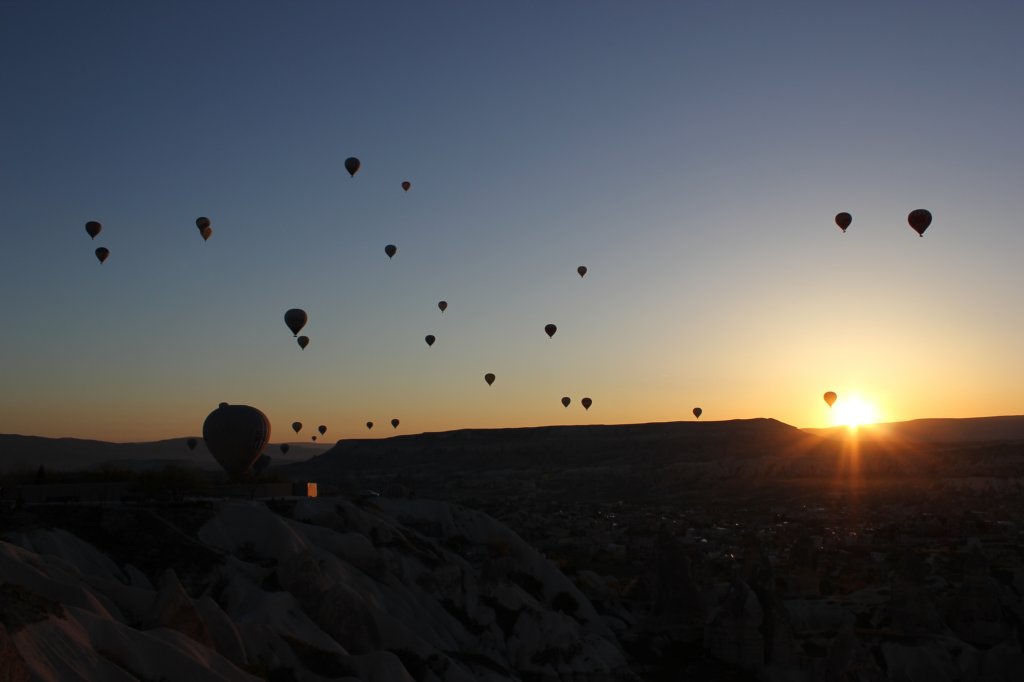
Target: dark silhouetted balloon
(565, 401)
(550, 330)
(489, 378)
(303, 341)
(369, 426)
(843, 220)
(582, 270)
(296, 426)
(442, 306)
(391, 250)
(429, 338)
(206, 232)
(352, 165)
(406, 185)
(191, 443)
(830, 397)
(395, 423)
(93, 228)
(235, 435)
(202, 223)
(102, 253)
(314, 438)
(920, 219)
(296, 319)
(261, 464)
(322, 429)
(285, 448)
(586, 403)
(697, 412)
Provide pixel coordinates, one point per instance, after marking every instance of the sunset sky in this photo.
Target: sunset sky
(691, 155)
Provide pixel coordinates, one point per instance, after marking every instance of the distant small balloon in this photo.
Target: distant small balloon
(550, 330)
(207, 232)
(920, 219)
(93, 228)
(303, 341)
(391, 250)
(296, 426)
(582, 270)
(697, 412)
(102, 253)
(395, 423)
(489, 378)
(369, 426)
(314, 438)
(322, 429)
(429, 338)
(586, 403)
(296, 319)
(843, 220)
(406, 185)
(202, 223)
(830, 397)
(285, 448)
(352, 166)
(565, 401)
(192, 443)
(442, 305)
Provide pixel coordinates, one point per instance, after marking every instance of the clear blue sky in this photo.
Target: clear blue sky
(692, 155)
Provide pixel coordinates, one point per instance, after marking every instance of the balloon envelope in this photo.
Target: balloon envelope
(285, 448)
(192, 443)
(489, 378)
(322, 429)
(406, 185)
(830, 397)
(920, 219)
(442, 305)
(550, 330)
(235, 435)
(586, 403)
(296, 426)
(352, 166)
(369, 425)
(582, 270)
(303, 342)
(102, 253)
(843, 220)
(296, 319)
(202, 223)
(391, 250)
(395, 423)
(206, 232)
(697, 412)
(93, 228)
(429, 338)
(565, 401)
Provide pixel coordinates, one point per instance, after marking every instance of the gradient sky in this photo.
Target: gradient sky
(691, 155)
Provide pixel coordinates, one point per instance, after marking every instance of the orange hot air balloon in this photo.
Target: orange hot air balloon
(550, 330)
(235, 435)
(296, 319)
(429, 338)
(843, 220)
(352, 165)
(93, 228)
(565, 401)
(830, 397)
(102, 253)
(489, 378)
(697, 412)
(303, 342)
(406, 185)
(586, 403)
(920, 219)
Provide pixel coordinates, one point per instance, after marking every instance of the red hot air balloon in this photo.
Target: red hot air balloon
(93, 228)
(391, 250)
(406, 185)
(489, 378)
(352, 165)
(920, 219)
(303, 341)
(586, 403)
(843, 220)
(830, 397)
(296, 319)
(565, 401)
(102, 253)
(235, 435)
(697, 412)
(550, 330)
(395, 423)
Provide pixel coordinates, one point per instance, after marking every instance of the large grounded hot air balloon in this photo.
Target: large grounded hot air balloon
(296, 426)
(322, 429)
(697, 412)
(550, 330)
(582, 270)
(352, 166)
(93, 228)
(285, 448)
(586, 403)
(566, 400)
(102, 253)
(235, 435)
(391, 250)
(920, 219)
(843, 220)
(261, 464)
(429, 338)
(296, 319)
(406, 185)
(489, 378)
(191, 443)
(442, 306)
(830, 397)
(303, 341)
(369, 426)
(395, 423)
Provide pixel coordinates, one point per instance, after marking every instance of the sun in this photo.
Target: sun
(853, 411)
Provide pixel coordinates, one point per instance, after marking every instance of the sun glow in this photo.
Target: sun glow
(853, 412)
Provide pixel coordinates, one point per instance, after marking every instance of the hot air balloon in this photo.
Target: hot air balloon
(442, 305)
(352, 165)
(314, 438)
(235, 435)
(296, 426)
(322, 429)
(285, 448)
(489, 378)
(391, 250)
(93, 228)
(191, 443)
(920, 219)
(406, 185)
(582, 270)
(550, 330)
(395, 423)
(843, 220)
(303, 342)
(697, 412)
(429, 338)
(369, 426)
(830, 397)
(565, 401)
(202, 223)
(102, 253)
(586, 403)
(261, 464)
(206, 232)
(296, 319)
